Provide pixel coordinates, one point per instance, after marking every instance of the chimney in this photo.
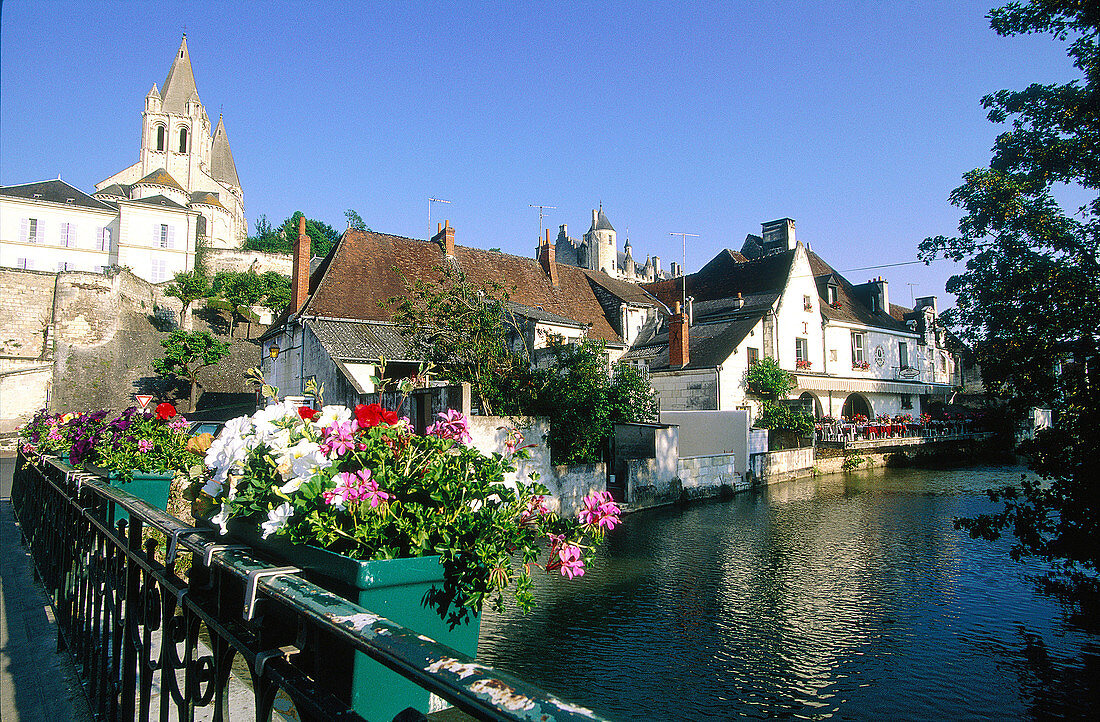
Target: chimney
(299, 283)
(882, 290)
(656, 266)
(678, 339)
(777, 235)
(547, 258)
(445, 237)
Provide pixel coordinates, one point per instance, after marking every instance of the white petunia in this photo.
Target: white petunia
(277, 518)
(221, 519)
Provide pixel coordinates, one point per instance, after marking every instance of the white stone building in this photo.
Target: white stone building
(851, 351)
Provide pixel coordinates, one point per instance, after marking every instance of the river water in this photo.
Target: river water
(847, 597)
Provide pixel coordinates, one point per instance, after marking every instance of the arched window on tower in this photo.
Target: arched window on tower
(162, 137)
(183, 140)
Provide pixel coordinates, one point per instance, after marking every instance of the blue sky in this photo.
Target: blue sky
(855, 119)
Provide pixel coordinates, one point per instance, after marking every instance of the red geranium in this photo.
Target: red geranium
(369, 415)
(307, 413)
(165, 411)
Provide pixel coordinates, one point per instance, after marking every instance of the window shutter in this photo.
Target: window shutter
(24, 229)
(171, 236)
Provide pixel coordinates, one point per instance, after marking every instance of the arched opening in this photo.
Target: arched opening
(856, 405)
(162, 138)
(183, 140)
(811, 404)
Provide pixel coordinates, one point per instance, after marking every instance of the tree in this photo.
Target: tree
(188, 287)
(355, 221)
(467, 333)
(244, 290)
(282, 239)
(276, 291)
(186, 353)
(1029, 301)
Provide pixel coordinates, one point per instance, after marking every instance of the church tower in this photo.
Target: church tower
(183, 161)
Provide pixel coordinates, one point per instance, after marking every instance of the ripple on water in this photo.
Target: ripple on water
(848, 596)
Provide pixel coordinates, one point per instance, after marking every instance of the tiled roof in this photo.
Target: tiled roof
(54, 191)
(849, 307)
(365, 341)
(206, 198)
(161, 177)
(365, 268)
(538, 314)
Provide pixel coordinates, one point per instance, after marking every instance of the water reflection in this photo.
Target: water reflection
(848, 596)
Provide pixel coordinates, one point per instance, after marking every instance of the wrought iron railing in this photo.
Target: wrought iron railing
(231, 633)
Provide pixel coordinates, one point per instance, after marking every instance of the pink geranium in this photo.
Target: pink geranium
(145, 446)
(451, 425)
(339, 438)
(600, 511)
(571, 563)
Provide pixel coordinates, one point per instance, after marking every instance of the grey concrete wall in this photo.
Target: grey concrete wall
(709, 433)
(686, 390)
(775, 466)
(703, 476)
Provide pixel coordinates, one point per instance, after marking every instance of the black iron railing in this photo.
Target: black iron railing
(231, 633)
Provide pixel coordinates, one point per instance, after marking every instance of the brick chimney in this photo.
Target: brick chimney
(548, 259)
(678, 338)
(299, 282)
(445, 237)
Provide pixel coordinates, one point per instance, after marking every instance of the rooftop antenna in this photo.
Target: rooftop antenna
(683, 269)
(430, 202)
(912, 296)
(541, 209)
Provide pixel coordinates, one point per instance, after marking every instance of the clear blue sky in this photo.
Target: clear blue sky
(855, 119)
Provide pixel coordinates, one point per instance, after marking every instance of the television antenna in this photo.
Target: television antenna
(541, 214)
(683, 268)
(430, 202)
(912, 296)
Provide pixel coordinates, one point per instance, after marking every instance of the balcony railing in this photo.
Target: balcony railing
(153, 640)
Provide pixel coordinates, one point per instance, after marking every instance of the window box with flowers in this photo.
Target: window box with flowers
(860, 365)
(803, 364)
(422, 528)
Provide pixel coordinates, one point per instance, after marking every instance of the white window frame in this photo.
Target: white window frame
(801, 349)
(30, 231)
(103, 239)
(67, 235)
(859, 348)
(26, 264)
(158, 270)
(903, 354)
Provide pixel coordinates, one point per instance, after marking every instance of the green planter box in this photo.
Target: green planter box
(392, 588)
(150, 487)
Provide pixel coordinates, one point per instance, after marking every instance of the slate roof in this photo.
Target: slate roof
(364, 268)
(180, 83)
(709, 344)
(115, 189)
(601, 224)
(364, 341)
(161, 177)
(726, 275)
(538, 314)
(159, 201)
(850, 308)
(222, 167)
(55, 191)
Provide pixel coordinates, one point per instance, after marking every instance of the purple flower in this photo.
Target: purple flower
(571, 563)
(600, 511)
(145, 446)
(451, 425)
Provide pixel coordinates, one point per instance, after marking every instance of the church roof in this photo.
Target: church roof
(206, 198)
(161, 177)
(54, 191)
(601, 223)
(222, 167)
(179, 86)
(159, 201)
(115, 189)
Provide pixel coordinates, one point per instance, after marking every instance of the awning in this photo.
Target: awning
(873, 386)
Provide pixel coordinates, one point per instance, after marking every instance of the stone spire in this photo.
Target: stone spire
(222, 167)
(179, 86)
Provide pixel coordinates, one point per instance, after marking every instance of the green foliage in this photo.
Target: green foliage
(242, 290)
(188, 287)
(276, 291)
(355, 221)
(282, 239)
(185, 353)
(467, 333)
(853, 462)
(580, 398)
(784, 417)
(1030, 295)
(767, 380)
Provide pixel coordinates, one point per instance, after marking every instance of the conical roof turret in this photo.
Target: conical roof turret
(222, 167)
(179, 86)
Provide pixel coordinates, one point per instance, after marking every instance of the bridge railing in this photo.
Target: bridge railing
(231, 633)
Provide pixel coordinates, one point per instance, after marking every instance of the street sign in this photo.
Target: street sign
(143, 400)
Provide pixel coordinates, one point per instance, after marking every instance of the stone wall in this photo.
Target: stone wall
(776, 466)
(686, 390)
(703, 476)
(26, 307)
(22, 393)
(223, 259)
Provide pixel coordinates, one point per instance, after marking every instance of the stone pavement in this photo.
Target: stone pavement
(36, 681)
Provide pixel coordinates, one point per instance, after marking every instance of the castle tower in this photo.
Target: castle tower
(602, 244)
